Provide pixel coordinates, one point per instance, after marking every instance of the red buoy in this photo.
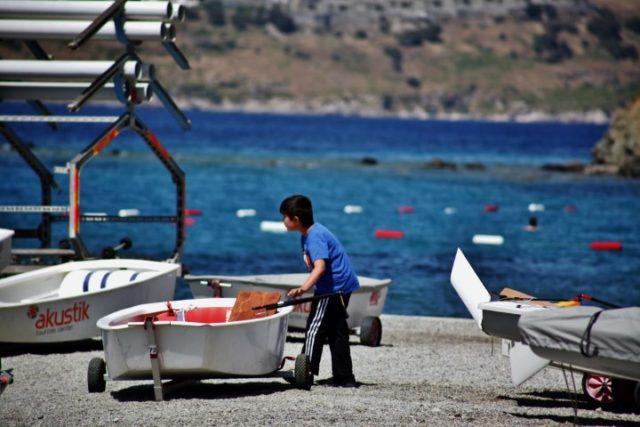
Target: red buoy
(606, 246)
(189, 221)
(405, 210)
(192, 212)
(570, 208)
(389, 234)
(491, 208)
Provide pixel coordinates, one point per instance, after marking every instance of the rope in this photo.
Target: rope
(573, 395)
(61, 119)
(585, 341)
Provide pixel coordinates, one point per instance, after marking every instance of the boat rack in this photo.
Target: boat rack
(127, 79)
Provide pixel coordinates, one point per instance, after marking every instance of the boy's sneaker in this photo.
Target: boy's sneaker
(348, 382)
(327, 381)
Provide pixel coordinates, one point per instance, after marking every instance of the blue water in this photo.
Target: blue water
(235, 161)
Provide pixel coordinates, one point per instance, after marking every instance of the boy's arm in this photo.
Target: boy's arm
(319, 267)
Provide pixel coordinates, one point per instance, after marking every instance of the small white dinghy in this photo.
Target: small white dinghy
(63, 302)
(193, 339)
(5, 247)
(537, 334)
(365, 305)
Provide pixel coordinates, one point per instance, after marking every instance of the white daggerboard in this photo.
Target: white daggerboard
(524, 363)
(468, 286)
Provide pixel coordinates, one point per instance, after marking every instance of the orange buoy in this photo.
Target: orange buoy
(405, 210)
(192, 212)
(389, 234)
(491, 208)
(189, 221)
(606, 246)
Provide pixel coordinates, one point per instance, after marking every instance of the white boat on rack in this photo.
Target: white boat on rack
(193, 339)
(63, 302)
(365, 305)
(5, 247)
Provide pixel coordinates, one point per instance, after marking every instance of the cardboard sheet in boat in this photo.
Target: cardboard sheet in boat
(612, 343)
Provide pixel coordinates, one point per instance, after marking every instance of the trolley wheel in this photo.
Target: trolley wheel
(303, 374)
(598, 389)
(371, 331)
(95, 375)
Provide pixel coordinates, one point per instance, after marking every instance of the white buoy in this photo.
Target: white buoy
(488, 239)
(272, 227)
(449, 210)
(352, 209)
(536, 207)
(244, 213)
(128, 212)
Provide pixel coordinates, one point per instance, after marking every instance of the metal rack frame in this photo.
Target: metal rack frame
(110, 23)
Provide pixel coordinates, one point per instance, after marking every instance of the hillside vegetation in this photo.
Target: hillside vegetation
(543, 60)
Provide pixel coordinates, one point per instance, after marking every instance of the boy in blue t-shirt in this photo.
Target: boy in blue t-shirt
(331, 272)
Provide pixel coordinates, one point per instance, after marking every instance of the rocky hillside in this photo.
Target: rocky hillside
(545, 62)
(618, 151)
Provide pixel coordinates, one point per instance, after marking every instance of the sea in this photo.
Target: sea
(238, 161)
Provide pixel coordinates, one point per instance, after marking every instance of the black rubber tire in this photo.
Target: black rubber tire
(371, 331)
(303, 374)
(95, 375)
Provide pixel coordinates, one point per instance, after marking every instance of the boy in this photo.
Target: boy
(331, 272)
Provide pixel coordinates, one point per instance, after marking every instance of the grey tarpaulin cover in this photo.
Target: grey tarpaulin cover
(615, 334)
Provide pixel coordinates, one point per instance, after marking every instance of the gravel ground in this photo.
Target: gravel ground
(428, 371)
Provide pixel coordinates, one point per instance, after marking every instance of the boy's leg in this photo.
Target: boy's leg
(338, 335)
(316, 333)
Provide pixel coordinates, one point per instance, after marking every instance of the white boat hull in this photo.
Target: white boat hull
(193, 350)
(5, 247)
(32, 311)
(366, 301)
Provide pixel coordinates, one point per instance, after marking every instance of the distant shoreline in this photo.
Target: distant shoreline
(279, 106)
(285, 107)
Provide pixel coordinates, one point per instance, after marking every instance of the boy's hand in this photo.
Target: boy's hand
(295, 292)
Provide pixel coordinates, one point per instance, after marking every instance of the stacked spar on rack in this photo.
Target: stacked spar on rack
(601, 344)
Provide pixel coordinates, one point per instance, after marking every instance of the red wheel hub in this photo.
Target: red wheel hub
(599, 388)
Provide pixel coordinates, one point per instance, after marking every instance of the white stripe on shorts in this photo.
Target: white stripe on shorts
(313, 329)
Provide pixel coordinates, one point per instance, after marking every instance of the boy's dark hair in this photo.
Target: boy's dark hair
(300, 206)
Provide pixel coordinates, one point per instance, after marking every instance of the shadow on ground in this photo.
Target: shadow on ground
(9, 350)
(580, 420)
(202, 390)
(570, 401)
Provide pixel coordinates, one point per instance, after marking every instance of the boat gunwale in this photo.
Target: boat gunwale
(11, 281)
(104, 323)
(246, 280)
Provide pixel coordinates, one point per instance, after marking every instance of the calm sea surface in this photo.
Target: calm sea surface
(239, 161)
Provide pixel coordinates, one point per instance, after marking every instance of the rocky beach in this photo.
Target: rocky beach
(436, 371)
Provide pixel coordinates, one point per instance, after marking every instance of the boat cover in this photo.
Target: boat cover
(587, 330)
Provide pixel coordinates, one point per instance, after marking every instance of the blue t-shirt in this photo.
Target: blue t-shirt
(320, 243)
